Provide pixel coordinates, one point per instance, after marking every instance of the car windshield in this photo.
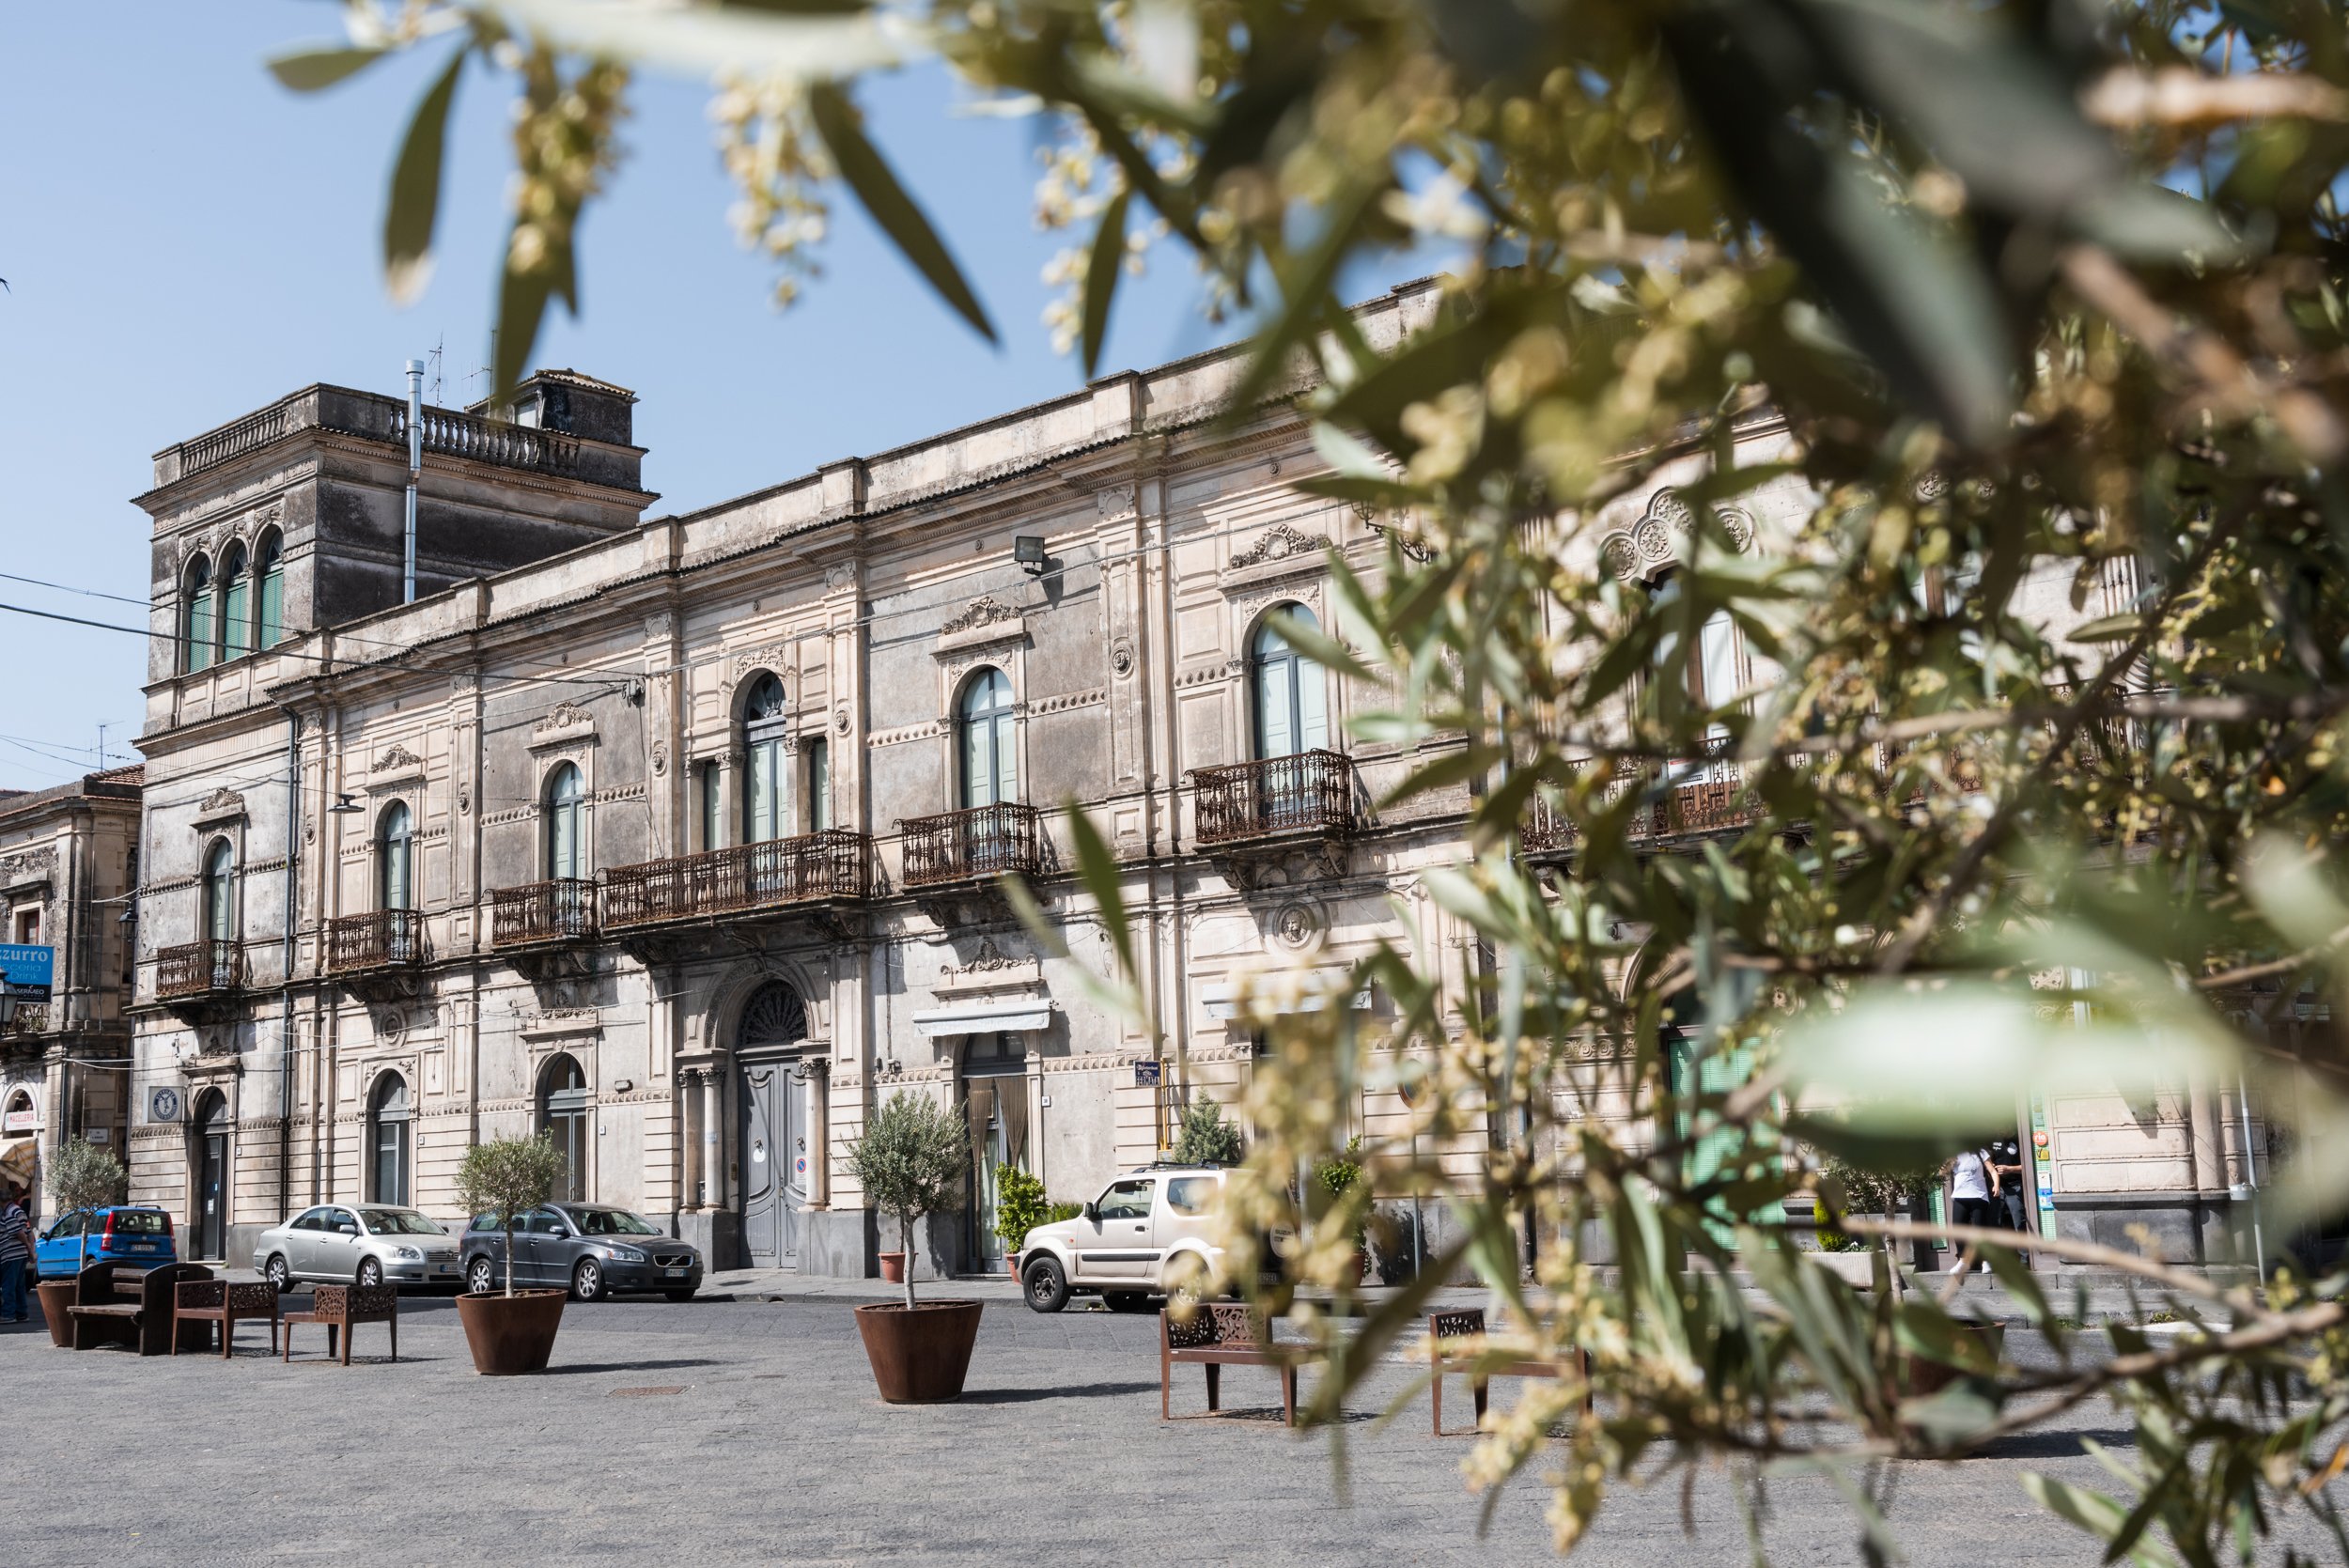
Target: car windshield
(611, 1222)
(398, 1222)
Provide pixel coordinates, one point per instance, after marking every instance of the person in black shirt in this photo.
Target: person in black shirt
(2013, 1201)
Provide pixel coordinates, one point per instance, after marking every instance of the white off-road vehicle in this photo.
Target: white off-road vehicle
(1148, 1234)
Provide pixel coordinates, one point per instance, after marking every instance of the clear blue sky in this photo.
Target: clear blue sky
(185, 241)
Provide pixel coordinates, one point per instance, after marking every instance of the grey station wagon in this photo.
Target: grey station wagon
(589, 1249)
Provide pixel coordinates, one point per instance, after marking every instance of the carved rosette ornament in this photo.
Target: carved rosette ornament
(1122, 658)
(1660, 538)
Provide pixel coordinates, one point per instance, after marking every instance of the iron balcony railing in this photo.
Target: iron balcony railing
(560, 910)
(199, 969)
(983, 841)
(1308, 792)
(384, 939)
(775, 874)
(30, 1018)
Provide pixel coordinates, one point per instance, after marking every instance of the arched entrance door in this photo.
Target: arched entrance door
(563, 1116)
(995, 1100)
(387, 1141)
(210, 1219)
(779, 1141)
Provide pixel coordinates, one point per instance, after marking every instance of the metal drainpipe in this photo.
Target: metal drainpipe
(415, 467)
(286, 1011)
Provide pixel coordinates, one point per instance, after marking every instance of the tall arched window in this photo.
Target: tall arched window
(1292, 694)
(196, 618)
(990, 762)
(269, 591)
(395, 858)
(236, 604)
(563, 1116)
(220, 892)
(766, 780)
(387, 1141)
(566, 850)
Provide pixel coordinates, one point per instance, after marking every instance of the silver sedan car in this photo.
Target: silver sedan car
(369, 1244)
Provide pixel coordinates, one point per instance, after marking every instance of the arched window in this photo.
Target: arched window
(236, 605)
(196, 619)
(567, 851)
(387, 1141)
(220, 892)
(563, 1116)
(1292, 694)
(268, 596)
(990, 761)
(395, 858)
(766, 780)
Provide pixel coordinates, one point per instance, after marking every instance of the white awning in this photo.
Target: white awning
(1222, 998)
(986, 1017)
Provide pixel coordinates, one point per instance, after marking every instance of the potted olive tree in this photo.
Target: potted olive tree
(910, 1162)
(83, 1176)
(510, 1331)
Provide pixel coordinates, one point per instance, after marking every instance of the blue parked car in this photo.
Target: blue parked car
(138, 1234)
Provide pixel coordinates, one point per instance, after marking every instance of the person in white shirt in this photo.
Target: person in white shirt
(1973, 1186)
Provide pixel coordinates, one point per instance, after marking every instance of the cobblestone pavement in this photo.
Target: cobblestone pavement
(717, 1432)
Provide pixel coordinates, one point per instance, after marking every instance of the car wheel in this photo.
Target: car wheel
(278, 1274)
(1125, 1301)
(1046, 1286)
(1186, 1286)
(481, 1277)
(370, 1272)
(587, 1281)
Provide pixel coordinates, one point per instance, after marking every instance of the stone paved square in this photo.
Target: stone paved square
(777, 1450)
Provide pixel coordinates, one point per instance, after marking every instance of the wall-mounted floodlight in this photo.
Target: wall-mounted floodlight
(1027, 551)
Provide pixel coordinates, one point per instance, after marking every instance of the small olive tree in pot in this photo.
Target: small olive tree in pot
(911, 1162)
(81, 1176)
(506, 1177)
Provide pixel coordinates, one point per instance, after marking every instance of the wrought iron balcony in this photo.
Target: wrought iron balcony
(200, 969)
(384, 939)
(1545, 830)
(1309, 794)
(538, 913)
(966, 846)
(744, 880)
(30, 1018)
(1706, 800)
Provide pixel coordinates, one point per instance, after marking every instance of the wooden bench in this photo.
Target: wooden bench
(343, 1308)
(205, 1302)
(124, 1304)
(1482, 1367)
(1219, 1335)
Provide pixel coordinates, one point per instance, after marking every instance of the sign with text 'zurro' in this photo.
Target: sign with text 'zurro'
(27, 970)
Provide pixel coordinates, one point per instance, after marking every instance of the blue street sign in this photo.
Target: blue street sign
(1146, 1075)
(27, 970)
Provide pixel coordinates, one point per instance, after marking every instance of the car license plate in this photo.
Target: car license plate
(675, 1273)
(142, 1247)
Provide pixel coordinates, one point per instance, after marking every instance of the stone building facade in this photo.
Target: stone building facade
(675, 838)
(69, 858)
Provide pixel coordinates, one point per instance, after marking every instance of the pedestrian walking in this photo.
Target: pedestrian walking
(16, 1256)
(1971, 1185)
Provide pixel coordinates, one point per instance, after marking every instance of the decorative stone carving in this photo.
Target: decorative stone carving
(1122, 658)
(464, 799)
(841, 721)
(983, 611)
(1297, 926)
(568, 724)
(1660, 537)
(397, 759)
(1279, 543)
(219, 806)
(774, 657)
(660, 759)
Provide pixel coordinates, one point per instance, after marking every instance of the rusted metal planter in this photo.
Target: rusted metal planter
(510, 1335)
(920, 1354)
(57, 1296)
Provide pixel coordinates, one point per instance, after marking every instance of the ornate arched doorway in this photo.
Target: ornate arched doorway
(387, 1141)
(563, 1111)
(208, 1227)
(780, 1144)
